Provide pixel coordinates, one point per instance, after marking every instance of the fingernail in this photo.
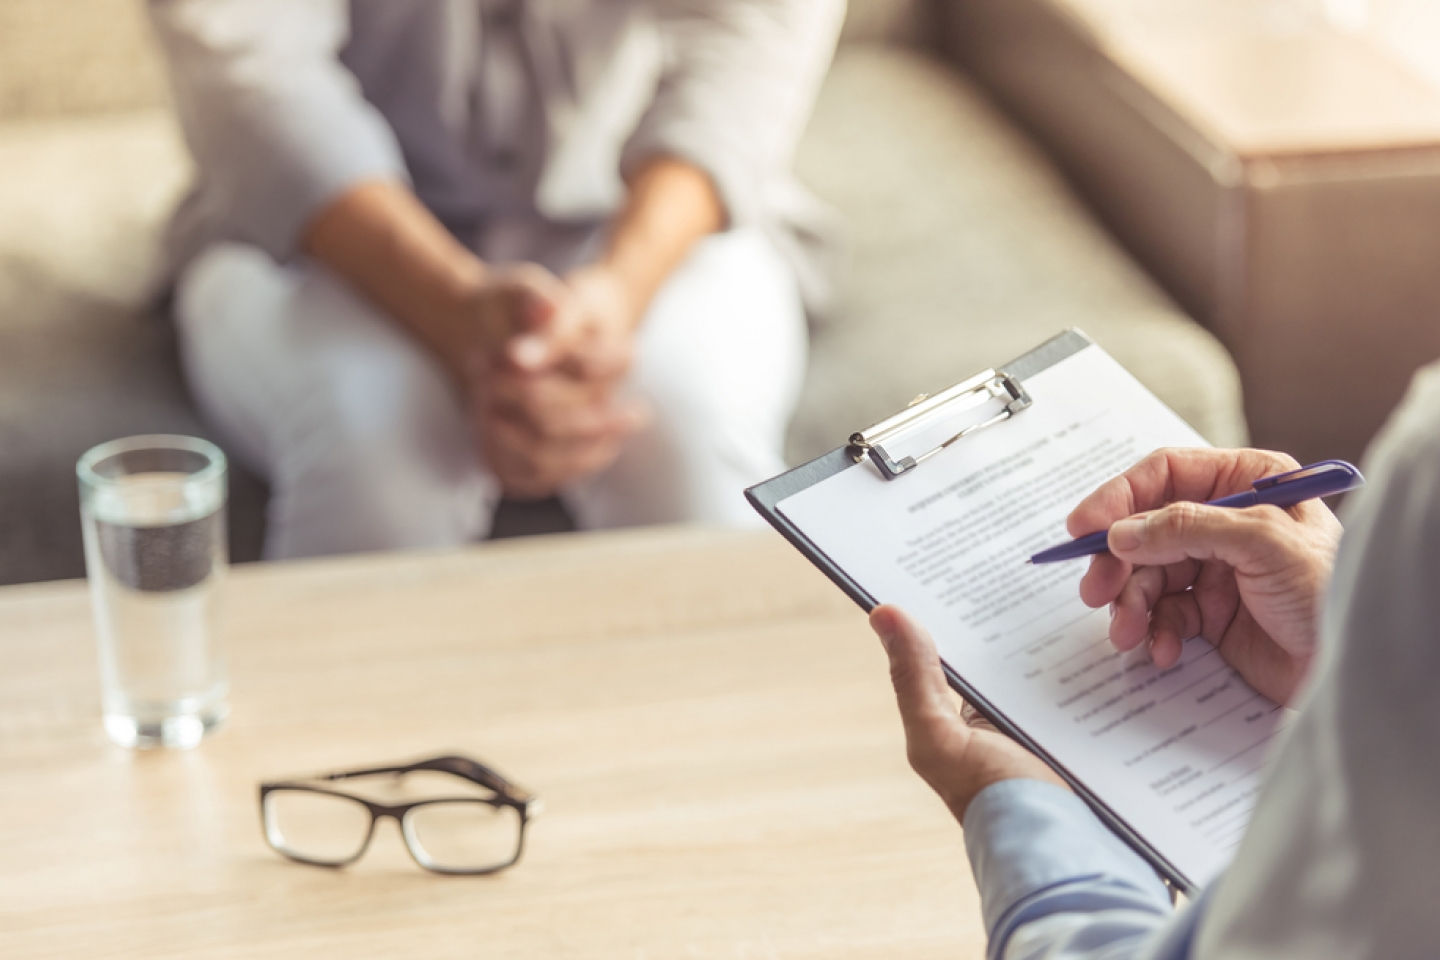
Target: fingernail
(1112, 609)
(1127, 534)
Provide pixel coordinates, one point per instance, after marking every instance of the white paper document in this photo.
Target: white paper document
(1175, 754)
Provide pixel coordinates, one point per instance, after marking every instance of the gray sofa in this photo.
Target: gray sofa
(965, 249)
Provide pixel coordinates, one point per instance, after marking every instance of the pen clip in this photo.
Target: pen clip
(1340, 468)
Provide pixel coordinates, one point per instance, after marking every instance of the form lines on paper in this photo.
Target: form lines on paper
(1235, 840)
(1195, 682)
(1045, 613)
(1242, 818)
(1231, 838)
(1246, 702)
(1237, 756)
(1081, 652)
(1060, 629)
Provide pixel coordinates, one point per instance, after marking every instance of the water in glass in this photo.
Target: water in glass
(155, 550)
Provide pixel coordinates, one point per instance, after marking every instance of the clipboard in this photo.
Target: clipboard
(1004, 385)
(765, 497)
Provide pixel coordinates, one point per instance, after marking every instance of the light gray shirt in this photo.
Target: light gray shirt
(513, 120)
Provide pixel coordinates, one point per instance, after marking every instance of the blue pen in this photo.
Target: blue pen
(1323, 479)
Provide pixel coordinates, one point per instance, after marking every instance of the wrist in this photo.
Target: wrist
(459, 280)
(452, 291)
(991, 758)
(382, 240)
(625, 296)
(671, 205)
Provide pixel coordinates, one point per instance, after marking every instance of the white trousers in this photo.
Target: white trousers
(364, 441)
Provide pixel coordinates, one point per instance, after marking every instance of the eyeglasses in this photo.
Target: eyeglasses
(464, 835)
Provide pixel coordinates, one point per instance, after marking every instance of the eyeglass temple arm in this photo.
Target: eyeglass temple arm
(458, 766)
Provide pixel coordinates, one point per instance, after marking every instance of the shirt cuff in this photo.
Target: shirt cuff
(1037, 849)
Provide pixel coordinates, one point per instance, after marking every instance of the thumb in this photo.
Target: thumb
(536, 306)
(551, 341)
(926, 707)
(1187, 530)
(530, 348)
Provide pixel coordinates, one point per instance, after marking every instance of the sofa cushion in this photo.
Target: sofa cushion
(966, 249)
(81, 56)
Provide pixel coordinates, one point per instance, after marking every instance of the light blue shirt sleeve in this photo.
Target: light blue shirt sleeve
(1056, 884)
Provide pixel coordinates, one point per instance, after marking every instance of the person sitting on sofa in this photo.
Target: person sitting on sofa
(441, 252)
(1342, 856)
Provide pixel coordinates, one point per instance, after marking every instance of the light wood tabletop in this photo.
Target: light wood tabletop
(708, 720)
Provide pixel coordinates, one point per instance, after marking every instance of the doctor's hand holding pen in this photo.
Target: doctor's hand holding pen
(1250, 581)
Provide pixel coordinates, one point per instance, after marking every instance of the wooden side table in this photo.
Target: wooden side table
(1279, 176)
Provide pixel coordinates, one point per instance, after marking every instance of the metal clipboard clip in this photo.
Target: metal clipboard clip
(923, 410)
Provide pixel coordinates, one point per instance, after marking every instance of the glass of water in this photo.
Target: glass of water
(153, 510)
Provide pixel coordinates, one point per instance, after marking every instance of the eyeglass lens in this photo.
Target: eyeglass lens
(462, 835)
(318, 827)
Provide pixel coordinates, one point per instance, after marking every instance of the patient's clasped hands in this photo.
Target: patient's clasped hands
(1248, 581)
(545, 371)
(541, 361)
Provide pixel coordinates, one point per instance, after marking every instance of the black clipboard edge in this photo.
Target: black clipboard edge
(765, 498)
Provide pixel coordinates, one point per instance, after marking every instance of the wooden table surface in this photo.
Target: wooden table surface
(708, 720)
